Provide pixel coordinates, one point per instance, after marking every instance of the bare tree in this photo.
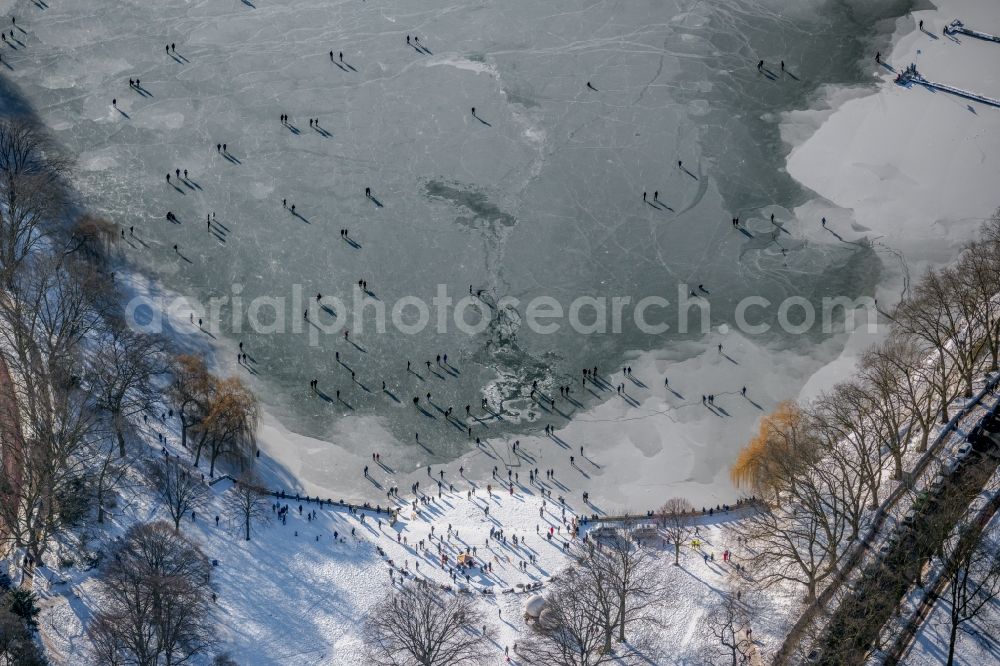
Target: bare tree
(980, 267)
(990, 232)
(42, 478)
(882, 401)
(50, 426)
(179, 489)
(126, 364)
(869, 414)
(66, 299)
(108, 644)
(154, 600)
(31, 193)
(417, 625)
(46, 316)
(105, 470)
(595, 572)
(570, 632)
(676, 518)
(853, 439)
(629, 572)
(48, 312)
(802, 539)
(247, 502)
(975, 313)
(897, 369)
(844, 474)
(973, 574)
(933, 317)
(802, 535)
(725, 627)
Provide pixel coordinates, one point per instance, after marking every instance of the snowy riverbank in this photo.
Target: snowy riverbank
(299, 590)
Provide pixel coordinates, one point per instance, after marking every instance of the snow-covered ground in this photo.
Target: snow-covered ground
(297, 592)
(976, 642)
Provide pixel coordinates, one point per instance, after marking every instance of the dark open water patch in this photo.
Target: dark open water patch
(485, 214)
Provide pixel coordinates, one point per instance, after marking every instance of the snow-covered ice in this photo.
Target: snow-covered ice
(537, 194)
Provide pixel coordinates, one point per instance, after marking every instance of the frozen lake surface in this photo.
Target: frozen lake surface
(537, 194)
